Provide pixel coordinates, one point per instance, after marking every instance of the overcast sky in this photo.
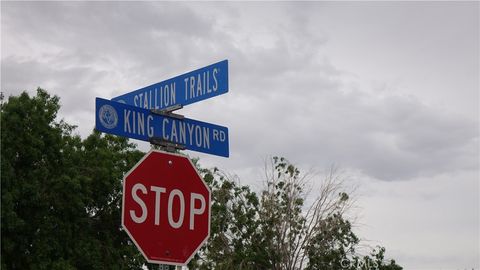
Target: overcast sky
(387, 91)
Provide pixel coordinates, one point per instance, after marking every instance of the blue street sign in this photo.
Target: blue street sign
(138, 123)
(182, 90)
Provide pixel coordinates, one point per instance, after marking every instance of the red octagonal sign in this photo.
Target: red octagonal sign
(166, 208)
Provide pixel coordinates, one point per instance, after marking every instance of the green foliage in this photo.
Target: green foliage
(61, 195)
(272, 230)
(281, 216)
(333, 244)
(234, 227)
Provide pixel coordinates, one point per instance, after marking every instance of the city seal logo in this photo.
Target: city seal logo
(108, 116)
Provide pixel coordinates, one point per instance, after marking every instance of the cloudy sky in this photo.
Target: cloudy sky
(387, 91)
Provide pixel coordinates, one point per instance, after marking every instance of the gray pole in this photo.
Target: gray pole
(170, 147)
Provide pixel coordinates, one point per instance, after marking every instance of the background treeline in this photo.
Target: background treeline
(61, 205)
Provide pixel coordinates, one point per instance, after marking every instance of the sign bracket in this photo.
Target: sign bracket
(164, 144)
(168, 112)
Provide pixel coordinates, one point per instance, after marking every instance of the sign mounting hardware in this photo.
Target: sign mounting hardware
(168, 112)
(168, 145)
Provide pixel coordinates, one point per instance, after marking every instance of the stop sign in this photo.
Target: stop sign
(166, 208)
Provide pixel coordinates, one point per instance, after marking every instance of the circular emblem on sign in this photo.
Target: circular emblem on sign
(108, 116)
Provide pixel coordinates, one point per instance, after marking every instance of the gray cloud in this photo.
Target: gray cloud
(353, 84)
(390, 138)
(95, 48)
(286, 97)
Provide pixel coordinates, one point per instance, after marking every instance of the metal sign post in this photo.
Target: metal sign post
(170, 147)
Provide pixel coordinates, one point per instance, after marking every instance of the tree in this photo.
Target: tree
(275, 230)
(61, 195)
(234, 227)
